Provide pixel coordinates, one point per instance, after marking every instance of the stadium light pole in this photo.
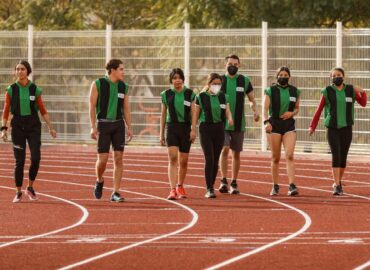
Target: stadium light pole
(30, 47)
(264, 75)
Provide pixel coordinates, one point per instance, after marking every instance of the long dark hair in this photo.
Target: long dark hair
(179, 72)
(26, 65)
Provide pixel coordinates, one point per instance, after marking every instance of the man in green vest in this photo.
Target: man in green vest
(109, 107)
(236, 86)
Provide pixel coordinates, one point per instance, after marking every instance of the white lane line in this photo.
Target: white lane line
(363, 266)
(102, 255)
(78, 223)
(306, 225)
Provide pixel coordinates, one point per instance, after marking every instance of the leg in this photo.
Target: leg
(335, 147)
(34, 143)
(207, 147)
(19, 149)
(101, 165)
(224, 162)
(275, 156)
(346, 139)
(235, 164)
(289, 141)
(117, 170)
(217, 148)
(183, 168)
(173, 165)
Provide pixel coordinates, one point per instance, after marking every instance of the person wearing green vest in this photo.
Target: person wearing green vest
(281, 105)
(109, 107)
(23, 100)
(236, 86)
(212, 109)
(176, 112)
(338, 99)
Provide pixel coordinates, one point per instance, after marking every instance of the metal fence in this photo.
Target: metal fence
(66, 62)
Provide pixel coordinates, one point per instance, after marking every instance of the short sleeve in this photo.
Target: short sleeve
(163, 97)
(38, 91)
(227, 99)
(192, 96)
(126, 88)
(249, 88)
(197, 100)
(268, 91)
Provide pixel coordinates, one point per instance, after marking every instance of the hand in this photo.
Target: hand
(287, 115)
(230, 122)
(129, 135)
(268, 128)
(94, 133)
(193, 135)
(4, 135)
(52, 133)
(311, 131)
(256, 116)
(162, 141)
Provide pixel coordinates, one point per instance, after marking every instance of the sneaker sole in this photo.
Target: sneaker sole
(182, 197)
(294, 193)
(31, 197)
(171, 198)
(234, 192)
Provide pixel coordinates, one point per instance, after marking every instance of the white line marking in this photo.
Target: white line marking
(81, 221)
(363, 266)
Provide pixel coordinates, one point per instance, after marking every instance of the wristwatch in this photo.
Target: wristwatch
(266, 121)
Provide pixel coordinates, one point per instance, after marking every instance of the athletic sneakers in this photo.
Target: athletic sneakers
(180, 192)
(172, 195)
(275, 190)
(234, 188)
(338, 190)
(30, 192)
(116, 197)
(292, 190)
(210, 194)
(18, 197)
(223, 186)
(98, 191)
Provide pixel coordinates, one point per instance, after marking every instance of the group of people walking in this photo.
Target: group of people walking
(219, 109)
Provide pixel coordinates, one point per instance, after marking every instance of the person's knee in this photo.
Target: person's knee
(184, 163)
(275, 159)
(236, 156)
(290, 157)
(173, 160)
(225, 152)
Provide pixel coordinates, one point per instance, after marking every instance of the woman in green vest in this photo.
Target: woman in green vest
(23, 100)
(338, 99)
(281, 105)
(212, 109)
(176, 112)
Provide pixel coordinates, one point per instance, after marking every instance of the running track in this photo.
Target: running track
(68, 229)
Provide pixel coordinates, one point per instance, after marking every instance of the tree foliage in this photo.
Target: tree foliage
(149, 14)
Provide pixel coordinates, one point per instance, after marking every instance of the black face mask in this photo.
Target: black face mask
(337, 81)
(283, 80)
(232, 70)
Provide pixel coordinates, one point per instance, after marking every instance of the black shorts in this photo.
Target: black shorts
(178, 134)
(280, 126)
(111, 133)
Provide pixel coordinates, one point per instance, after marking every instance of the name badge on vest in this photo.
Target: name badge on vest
(239, 89)
(32, 98)
(120, 95)
(223, 106)
(348, 99)
(187, 103)
(294, 99)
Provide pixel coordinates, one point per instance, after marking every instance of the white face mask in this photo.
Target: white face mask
(215, 88)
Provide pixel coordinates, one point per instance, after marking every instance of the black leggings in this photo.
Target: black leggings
(339, 142)
(26, 129)
(212, 138)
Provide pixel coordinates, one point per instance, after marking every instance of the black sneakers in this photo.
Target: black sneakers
(275, 190)
(98, 191)
(18, 197)
(116, 197)
(234, 188)
(223, 186)
(292, 190)
(210, 194)
(338, 190)
(30, 192)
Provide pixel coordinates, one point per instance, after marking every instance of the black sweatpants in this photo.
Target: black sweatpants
(339, 142)
(26, 129)
(212, 138)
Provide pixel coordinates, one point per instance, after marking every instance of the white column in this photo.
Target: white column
(30, 48)
(339, 44)
(187, 53)
(108, 43)
(264, 76)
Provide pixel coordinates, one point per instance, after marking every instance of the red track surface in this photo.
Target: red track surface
(248, 231)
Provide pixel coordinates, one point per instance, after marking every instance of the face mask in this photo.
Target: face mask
(338, 80)
(215, 88)
(283, 80)
(232, 70)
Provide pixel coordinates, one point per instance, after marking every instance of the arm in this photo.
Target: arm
(229, 116)
(194, 121)
(288, 114)
(45, 116)
(266, 122)
(253, 106)
(92, 105)
(162, 125)
(4, 121)
(361, 97)
(127, 116)
(316, 116)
